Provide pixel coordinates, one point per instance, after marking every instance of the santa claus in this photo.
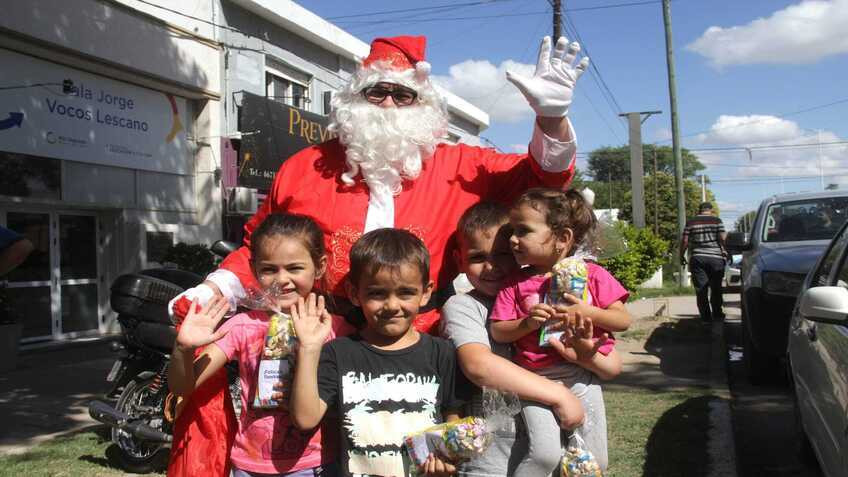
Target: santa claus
(389, 167)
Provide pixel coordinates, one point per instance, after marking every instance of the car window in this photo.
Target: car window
(811, 219)
(837, 246)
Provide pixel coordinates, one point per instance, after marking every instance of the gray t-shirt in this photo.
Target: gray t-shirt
(465, 321)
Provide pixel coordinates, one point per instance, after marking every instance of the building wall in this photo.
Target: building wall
(150, 54)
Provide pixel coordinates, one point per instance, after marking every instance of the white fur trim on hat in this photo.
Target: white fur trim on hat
(588, 195)
(422, 70)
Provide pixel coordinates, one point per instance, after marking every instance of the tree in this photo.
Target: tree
(613, 163)
(665, 205)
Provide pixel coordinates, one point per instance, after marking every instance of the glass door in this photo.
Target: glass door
(30, 287)
(78, 274)
(55, 292)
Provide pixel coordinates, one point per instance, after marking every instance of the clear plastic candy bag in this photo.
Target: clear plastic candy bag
(276, 364)
(577, 460)
(569, 277)
(464, 439)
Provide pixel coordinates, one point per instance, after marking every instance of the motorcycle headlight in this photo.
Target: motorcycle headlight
(782, 283)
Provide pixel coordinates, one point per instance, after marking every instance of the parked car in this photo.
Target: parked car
(818, 359)
(733, 273)
(789, 234)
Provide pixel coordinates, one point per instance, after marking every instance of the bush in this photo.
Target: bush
(644, 254)
(195, 258)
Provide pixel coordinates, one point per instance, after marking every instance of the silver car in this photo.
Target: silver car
(818, 358)
(789, 234)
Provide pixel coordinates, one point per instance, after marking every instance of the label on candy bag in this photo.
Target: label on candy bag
(276, 363)
(570, 276)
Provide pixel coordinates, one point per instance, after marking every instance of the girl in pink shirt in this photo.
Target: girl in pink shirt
(288, 255)
(548, 226)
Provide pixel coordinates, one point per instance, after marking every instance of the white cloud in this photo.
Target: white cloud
(484, 85)
(749, 130)
(802, 33)
(778, 148)
(729, 206)
(522, 148)
(662, 134)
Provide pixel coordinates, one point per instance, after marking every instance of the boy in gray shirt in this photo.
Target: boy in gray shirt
(484, 256)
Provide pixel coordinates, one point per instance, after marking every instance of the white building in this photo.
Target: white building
(120, 133)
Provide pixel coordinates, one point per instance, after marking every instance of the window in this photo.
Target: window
(22, 175)
(158, 239)
(813, 219)
(286, 90)
(820, 278)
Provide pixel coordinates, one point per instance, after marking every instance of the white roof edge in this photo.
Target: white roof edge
(306, 24)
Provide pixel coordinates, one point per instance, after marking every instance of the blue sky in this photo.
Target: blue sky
(747, 72)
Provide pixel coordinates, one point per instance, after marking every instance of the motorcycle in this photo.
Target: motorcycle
(144, 411)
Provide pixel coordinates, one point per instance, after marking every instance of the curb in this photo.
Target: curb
(721, 446)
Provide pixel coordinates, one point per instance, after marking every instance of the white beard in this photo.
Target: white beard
(387, 145)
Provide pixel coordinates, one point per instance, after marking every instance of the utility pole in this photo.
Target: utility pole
(609, 182)
(637, 171)
(656, 198)
(557, 20)
(703, 187)
(675, 136)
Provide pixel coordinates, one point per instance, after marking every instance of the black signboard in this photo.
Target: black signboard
(271, 133)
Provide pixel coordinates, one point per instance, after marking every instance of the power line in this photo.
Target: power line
(748, 123)
(430, 8)
(593, 65)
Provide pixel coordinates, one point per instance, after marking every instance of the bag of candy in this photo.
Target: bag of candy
(467, 438)
(569, 277)
(276, 364)
(577, 461)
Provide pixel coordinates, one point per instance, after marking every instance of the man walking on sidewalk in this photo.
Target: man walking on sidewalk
(704, 237)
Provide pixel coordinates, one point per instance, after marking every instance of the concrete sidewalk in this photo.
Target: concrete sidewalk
(48, 393)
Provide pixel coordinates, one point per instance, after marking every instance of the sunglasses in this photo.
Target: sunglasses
(401, 97)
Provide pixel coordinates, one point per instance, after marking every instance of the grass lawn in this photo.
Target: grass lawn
(656, 434)
(668, 289)
(82, 454)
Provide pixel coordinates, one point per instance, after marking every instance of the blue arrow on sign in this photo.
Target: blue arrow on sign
(14, 119)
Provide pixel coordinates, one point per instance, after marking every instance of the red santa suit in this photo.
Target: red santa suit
(456, 177)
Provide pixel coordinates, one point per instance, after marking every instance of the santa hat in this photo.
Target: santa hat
(400, 53)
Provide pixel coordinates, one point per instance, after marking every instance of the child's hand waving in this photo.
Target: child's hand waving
(312, 321)
(198, 327)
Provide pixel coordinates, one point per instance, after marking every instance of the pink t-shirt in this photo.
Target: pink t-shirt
(267, 442)
(523, 291)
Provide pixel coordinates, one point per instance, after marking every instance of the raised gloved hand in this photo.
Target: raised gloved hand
(551, 88)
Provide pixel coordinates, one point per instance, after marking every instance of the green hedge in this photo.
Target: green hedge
(195, 258)
(644, 253)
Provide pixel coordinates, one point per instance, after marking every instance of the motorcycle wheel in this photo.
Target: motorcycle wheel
(140, 400)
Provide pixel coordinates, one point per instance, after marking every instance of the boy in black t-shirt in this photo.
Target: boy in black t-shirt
(388, 380)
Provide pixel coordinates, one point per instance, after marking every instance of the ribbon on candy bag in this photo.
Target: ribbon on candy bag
(570, 277)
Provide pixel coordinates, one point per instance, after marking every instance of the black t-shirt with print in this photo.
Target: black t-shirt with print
(381, 396)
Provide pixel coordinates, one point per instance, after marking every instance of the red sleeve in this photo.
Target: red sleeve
(509, 175)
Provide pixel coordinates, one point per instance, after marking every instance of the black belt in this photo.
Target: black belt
(353, 314)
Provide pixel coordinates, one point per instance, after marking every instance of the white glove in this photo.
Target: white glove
(202, 293)
(551, 88)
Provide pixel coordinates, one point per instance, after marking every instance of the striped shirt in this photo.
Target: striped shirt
(704, 232)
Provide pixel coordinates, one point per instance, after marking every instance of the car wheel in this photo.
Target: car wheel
(759, 367)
